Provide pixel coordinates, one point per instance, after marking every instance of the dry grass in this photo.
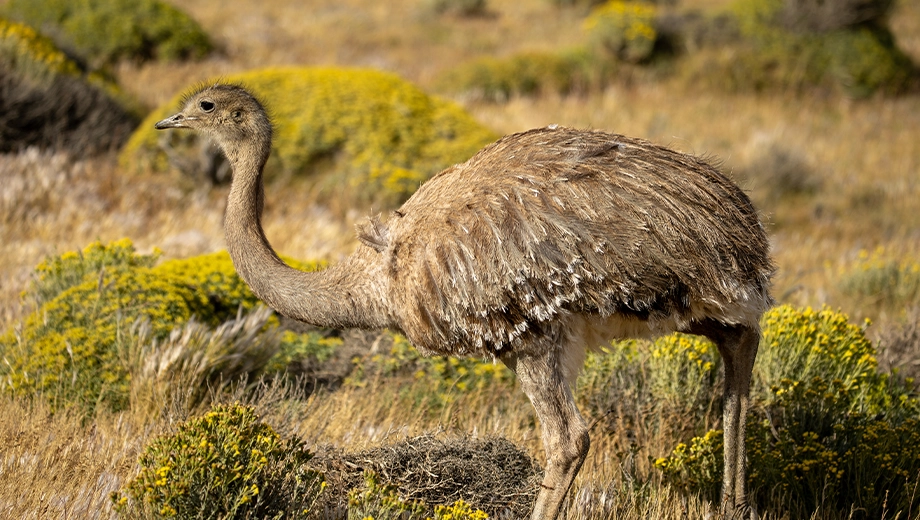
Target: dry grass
(54, 466)
(865, 156)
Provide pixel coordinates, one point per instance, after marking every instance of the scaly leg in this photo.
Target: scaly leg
(738, 347)
(565, 434)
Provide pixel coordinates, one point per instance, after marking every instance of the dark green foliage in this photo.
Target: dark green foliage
(686, 32)
(858, 59)
(459, 7)
(104, 31)
(225, 464)
(830, 15)
(48, 101)
(866, 60)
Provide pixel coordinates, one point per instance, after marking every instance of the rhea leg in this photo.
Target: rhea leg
(738, 347)
(565, 434)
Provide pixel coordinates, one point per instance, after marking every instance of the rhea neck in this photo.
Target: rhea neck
(338, 297)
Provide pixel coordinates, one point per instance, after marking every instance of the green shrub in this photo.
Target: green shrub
(526, 74)
(76, 346)
(225, 464)
(49, 101)
(381, 500)
(214, 278)
(24, 50)
(866, 60)
(105, 31)
(831, 432)
(810, 448)
(683, 370)
(623, 29)
(826, 455)
(830, 15)
(858, 60)
(310, 347)
(696, 467)
(366, 135)
(459, 510)
(668, 385)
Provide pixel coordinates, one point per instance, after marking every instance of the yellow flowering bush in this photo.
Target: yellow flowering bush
(24, 49)
(68, 348)
(213, 277)
(365, 134)
(624, 29)
(695, 467)
(74, 346)
(826, 453)
(56, 274)
(829, 431)
(381, 500)
(801, 344)
(459, 510)
(104, 31)
(224, 464)
(683, 370)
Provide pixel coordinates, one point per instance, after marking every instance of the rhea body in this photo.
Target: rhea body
(544, 244)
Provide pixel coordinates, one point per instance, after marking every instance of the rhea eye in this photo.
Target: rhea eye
(206, 105)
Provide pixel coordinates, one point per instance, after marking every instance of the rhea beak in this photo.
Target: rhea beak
(176, 121)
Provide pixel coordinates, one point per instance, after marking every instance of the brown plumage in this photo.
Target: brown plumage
(545, 243)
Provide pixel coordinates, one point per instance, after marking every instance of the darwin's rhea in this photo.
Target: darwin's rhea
(544, 244)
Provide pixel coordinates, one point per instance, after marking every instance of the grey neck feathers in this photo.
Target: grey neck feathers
(342, 296)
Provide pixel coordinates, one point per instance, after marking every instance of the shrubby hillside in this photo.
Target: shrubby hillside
(50, 101)
(364, 136)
